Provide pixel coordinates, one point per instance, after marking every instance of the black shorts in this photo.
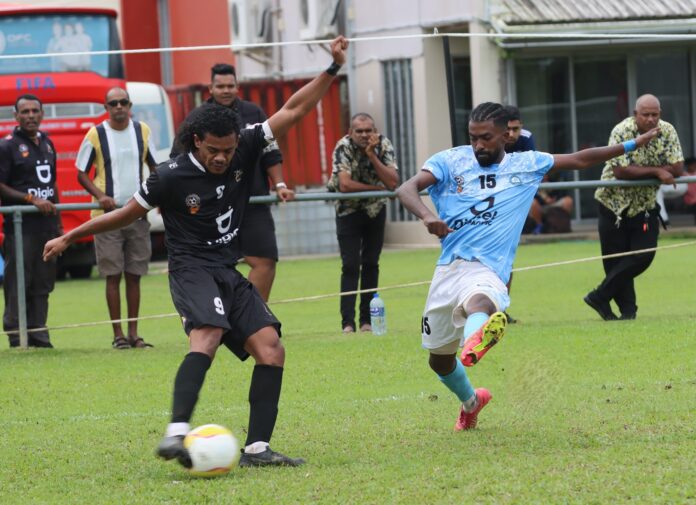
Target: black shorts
(220, 297)
(257, 233)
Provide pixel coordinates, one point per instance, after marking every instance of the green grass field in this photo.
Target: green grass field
(584, 411)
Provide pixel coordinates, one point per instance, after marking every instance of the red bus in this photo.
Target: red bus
(71, 87)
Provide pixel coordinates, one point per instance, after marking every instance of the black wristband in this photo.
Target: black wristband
(333, 68)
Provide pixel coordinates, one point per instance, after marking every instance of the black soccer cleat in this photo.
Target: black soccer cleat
(173, 448)
(269, 458)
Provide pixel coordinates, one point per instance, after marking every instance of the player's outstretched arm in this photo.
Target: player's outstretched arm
(106, 222)
(595, 155)
(409, 197)
(307, 97)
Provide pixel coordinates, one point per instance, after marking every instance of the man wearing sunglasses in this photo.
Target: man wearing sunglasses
(117, 149)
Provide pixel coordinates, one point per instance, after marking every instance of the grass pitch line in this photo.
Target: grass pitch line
(359, 291)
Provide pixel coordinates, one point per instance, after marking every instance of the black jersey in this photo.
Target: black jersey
(202, 211)
(251, 114)
(29, 168)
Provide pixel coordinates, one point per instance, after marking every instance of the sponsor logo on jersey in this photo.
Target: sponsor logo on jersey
(515, 180)
(43, 193)
(24, 150)
(238, 175)
(220, 190)
(482, 215)
(43, 172)
(193, 202)
(224, 221)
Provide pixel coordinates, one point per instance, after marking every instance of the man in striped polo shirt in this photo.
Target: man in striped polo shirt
(117, 149)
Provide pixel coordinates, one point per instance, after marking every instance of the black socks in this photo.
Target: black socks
(187, 384)
(264, 394)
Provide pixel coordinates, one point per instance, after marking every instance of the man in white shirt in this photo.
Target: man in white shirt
(117, 149)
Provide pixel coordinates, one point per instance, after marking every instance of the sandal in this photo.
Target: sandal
(139, 343)
(120, 343)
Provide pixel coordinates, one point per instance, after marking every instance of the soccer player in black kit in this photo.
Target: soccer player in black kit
(202, 195)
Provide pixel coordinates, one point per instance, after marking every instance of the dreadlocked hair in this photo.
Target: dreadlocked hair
(490, 111)
(208, 118)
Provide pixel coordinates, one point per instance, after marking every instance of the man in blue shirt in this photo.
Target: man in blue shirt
(482, 196)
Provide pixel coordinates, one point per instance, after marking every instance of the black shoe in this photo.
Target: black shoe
(628, 317)
(602, 308)
(510, 319)
(173, 448)
(269, 458)
(40, 343)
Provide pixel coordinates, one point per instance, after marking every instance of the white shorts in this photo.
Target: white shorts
(452, 287)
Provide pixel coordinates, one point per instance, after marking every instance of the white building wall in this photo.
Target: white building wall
(381, 18)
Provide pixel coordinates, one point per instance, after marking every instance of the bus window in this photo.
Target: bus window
(59, 33)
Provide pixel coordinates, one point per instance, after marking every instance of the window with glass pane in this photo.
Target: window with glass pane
(601, 101)
(543, 97)
(461, 74)
(666, 75)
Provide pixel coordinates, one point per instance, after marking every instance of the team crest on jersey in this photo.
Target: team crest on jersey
(238, 175)
(24, 150)
(193, 202)
(515, 180)
(459, 181)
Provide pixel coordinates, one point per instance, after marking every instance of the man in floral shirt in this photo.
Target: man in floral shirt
(628, 217)
(363, 160)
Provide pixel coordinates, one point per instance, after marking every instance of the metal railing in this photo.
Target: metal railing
(18, 210)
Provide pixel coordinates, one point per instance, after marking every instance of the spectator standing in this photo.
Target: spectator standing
(117, 149)
(257, 238)
(28, 176)
(363, 160)
(628, 217)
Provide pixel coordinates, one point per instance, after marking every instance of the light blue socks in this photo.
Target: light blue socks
(474, 322)
(458, 383)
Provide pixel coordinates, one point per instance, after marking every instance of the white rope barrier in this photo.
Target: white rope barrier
(266, 45)
(359, 291)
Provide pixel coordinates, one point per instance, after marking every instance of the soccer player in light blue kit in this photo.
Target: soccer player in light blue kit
(482, 196)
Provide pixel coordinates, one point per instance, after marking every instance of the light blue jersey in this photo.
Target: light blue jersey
(485, 206)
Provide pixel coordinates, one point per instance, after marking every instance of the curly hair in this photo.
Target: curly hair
(208, 118)
(490, 111)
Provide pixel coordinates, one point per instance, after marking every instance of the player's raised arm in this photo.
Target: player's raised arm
(595, 155)
(409, 197)
(106, 222)
(307, 97)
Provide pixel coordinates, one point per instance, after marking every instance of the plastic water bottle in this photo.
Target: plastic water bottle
(378, 319)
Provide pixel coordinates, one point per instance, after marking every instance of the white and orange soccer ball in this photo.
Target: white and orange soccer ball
(214, 450)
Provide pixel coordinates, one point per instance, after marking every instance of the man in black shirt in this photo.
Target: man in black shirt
(257, 231)
(202, 195)
(28, 176)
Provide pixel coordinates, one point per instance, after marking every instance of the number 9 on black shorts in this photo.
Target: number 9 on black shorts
(220, 297)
